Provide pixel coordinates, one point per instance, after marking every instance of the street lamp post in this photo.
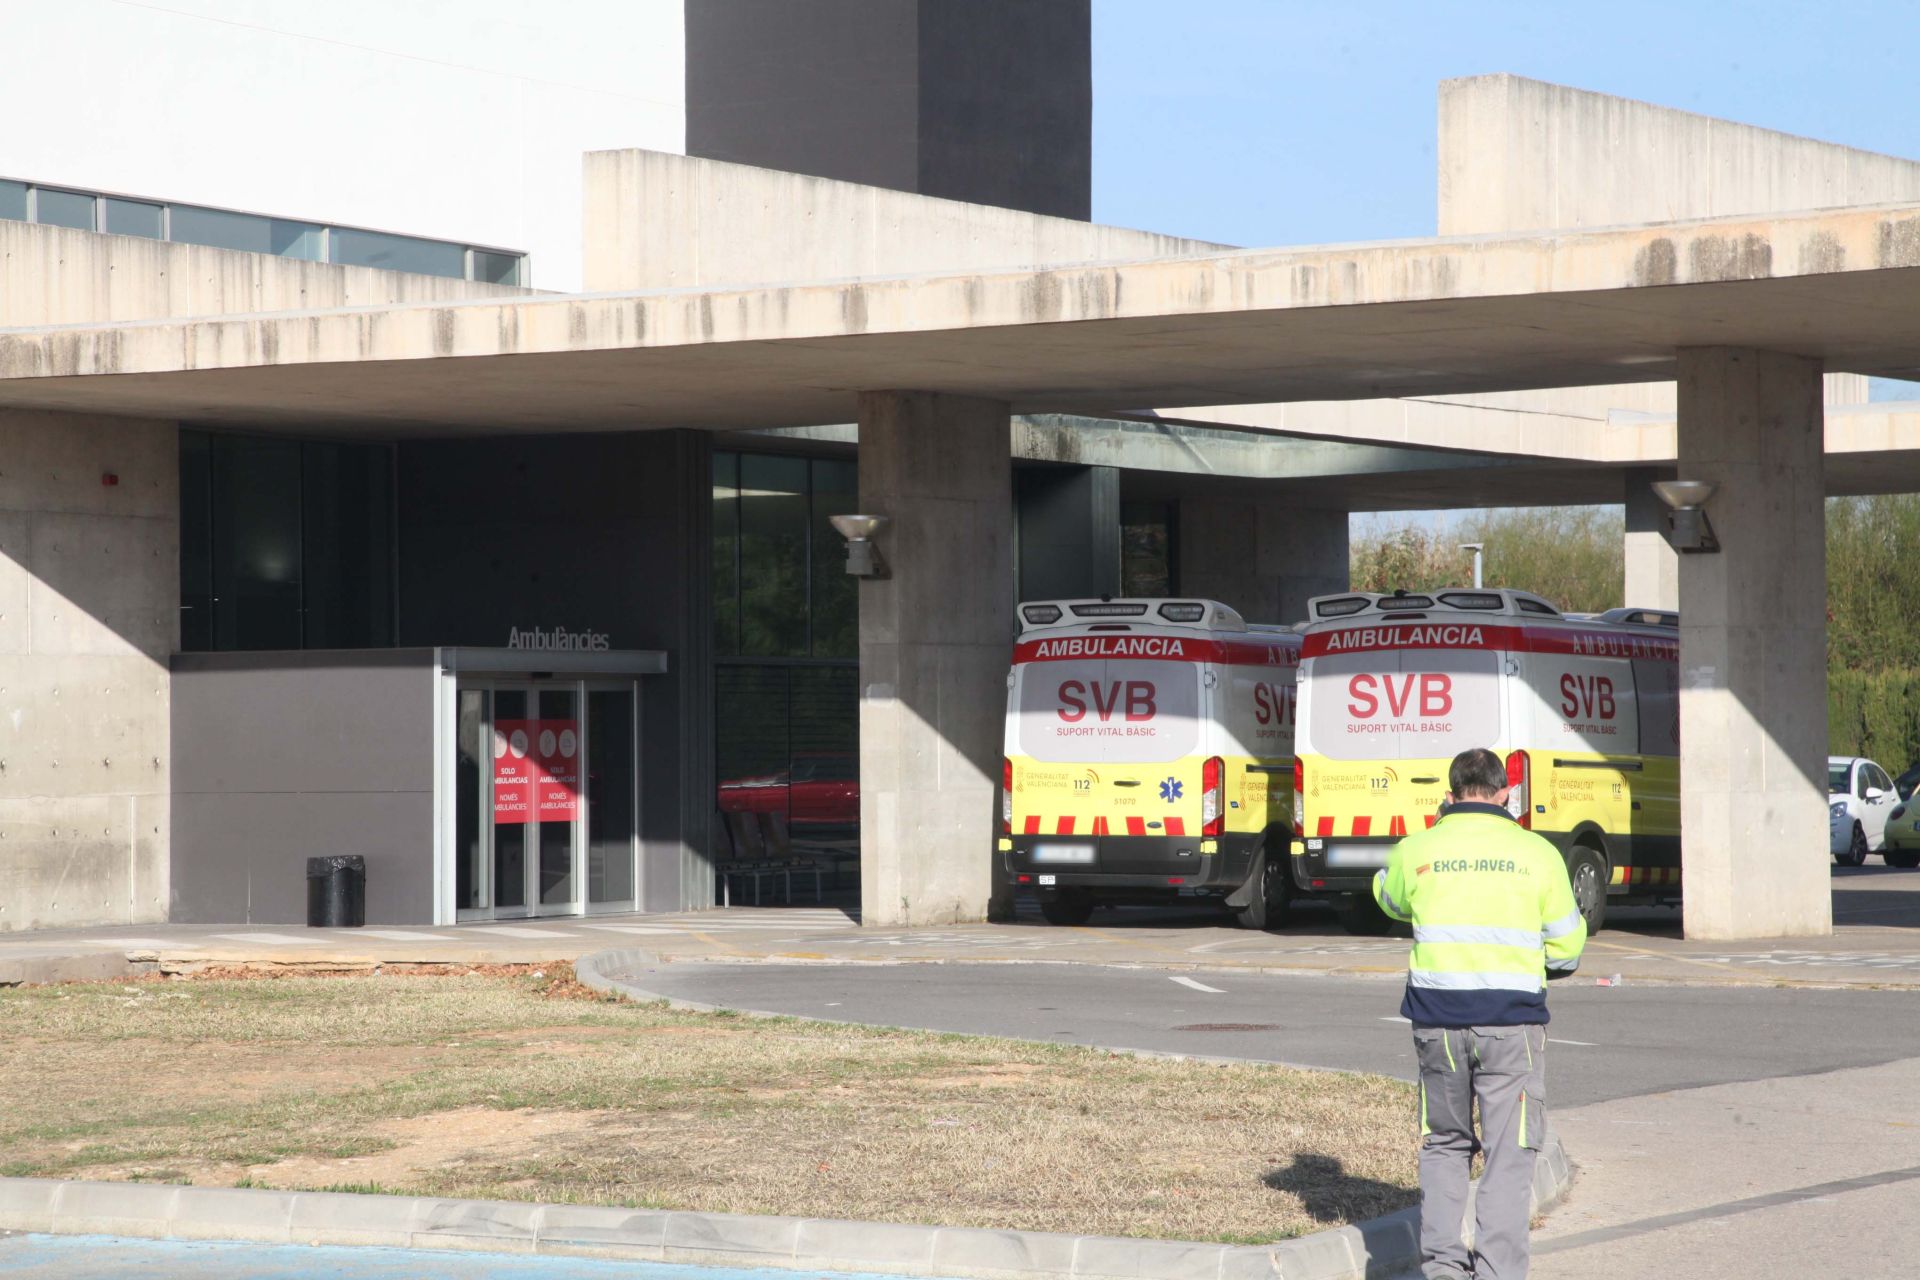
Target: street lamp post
(1478, 549)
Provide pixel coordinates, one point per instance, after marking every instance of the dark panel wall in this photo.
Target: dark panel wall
(989, 101)
(607, 533)
(278, 756)
(1069, 526)
(828, 87)
(1006, 103)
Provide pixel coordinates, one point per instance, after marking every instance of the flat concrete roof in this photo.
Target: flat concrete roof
(1403, 318)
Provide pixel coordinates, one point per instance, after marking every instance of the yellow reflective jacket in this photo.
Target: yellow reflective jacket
(1492, 913)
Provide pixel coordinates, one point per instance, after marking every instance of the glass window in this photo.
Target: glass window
(196, 543)
(347, 545)
(726, 553)
(247, 232)
(823, 791)
(398, 253)
(1146, 549)
(132, 218)
(752, 748)
(63, 208)
(773, 556)
(1837, 779)
(13, 200)
(836, 593)
(256, 543)
(284, 544)
(496, 268)
(610, 816)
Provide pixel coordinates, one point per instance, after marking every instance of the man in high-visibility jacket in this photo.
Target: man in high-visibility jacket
(1493, 917)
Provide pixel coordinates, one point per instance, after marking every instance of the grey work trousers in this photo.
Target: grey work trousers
(1506, 1069)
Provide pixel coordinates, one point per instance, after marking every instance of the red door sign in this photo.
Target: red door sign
(513, 771)
(557, 756)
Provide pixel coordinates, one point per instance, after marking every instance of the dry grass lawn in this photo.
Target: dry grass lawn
(512, 1087)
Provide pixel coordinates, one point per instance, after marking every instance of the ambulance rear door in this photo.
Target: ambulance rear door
(1387, 723)
(1107, 745)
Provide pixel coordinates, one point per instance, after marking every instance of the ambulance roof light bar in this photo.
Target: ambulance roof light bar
(1145, 611)
(1487, 600)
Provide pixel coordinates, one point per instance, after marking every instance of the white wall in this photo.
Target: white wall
(456, 119)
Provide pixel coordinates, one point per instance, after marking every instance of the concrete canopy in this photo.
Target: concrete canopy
(1402, 318)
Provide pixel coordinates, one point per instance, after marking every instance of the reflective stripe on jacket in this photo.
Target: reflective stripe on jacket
(1492, 911)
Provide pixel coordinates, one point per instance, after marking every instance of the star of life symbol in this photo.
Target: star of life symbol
(1170, 790)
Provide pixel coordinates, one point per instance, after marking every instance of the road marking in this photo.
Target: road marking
(129, 943)
(513, 932)
(401, 935)
(1397, 1018)
(1584, 1044)
(1199, 986)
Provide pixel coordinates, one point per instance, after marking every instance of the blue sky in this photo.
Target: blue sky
(1271, 122)
(1276, 122)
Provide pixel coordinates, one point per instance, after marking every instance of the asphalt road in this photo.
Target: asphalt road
(1612, 1042)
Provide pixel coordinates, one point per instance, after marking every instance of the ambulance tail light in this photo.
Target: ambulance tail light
(1520, 793)
(1213, 806)
(1006, 794)
(1299, 797)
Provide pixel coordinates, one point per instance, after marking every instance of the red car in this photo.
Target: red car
(822, 789)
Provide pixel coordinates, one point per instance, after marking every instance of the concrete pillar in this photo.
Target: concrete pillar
(936, 637)
(1263, 558)
(1653, 567)
(1753, 684)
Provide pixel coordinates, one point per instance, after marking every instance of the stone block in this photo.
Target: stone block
(339, 1218)
(233, 1213)
(723, 1237)
(830, 1243)
(631, 1233)
(971, 1252)
(27, 1204)
(501, 1226)
(1105, 1256)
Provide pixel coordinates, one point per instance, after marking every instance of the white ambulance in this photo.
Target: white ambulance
(1149, 748)
(1585, 712)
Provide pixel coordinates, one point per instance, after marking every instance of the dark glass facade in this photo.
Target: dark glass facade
(786, 638)
(285, 544)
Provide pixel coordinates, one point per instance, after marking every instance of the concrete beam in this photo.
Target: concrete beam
(1753, 683)
(1349, 321)
(934, 637)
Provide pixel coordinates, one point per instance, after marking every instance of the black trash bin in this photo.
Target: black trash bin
(337, 891)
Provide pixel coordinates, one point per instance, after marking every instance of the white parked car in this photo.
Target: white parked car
(1860, 796)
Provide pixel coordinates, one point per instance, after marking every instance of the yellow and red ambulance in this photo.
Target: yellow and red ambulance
(1584, 710)
(1149, 746)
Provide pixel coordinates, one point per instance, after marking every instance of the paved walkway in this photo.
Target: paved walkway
(1876, 943)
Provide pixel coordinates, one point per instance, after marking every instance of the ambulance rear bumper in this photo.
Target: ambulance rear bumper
(1339, 865)
(1154, 865)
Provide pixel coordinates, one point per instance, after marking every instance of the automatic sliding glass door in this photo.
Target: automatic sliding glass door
(547, 798)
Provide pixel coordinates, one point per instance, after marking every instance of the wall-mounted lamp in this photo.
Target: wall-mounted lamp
(1687, 526)
(863, 558)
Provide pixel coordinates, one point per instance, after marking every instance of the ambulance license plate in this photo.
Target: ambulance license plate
(1063, 853)
(1358, 855)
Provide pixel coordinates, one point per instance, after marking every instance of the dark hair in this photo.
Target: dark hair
(1476, 773)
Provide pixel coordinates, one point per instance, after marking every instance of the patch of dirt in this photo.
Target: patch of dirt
(247, 1071)
(443, 1142)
